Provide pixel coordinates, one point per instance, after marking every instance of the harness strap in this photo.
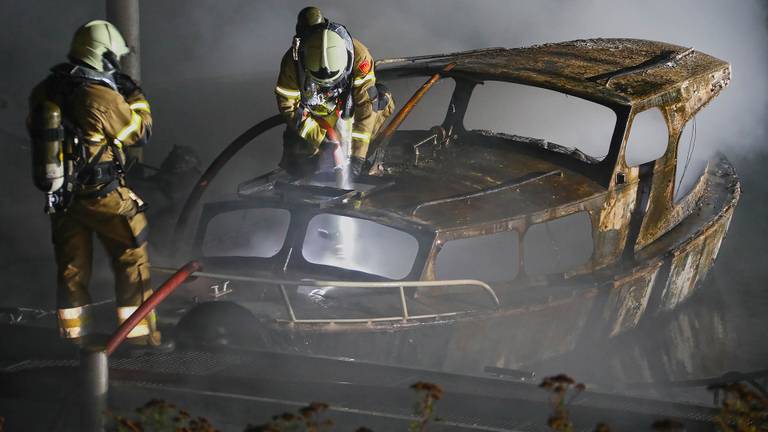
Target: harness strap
(102, 172)
(101, 193)
(86, 173)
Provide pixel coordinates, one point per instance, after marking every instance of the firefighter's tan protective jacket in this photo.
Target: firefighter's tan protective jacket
(288, 91)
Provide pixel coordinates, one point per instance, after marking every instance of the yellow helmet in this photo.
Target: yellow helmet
(97, 41)
(325, 57)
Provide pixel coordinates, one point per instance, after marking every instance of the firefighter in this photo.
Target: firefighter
(103, 112)
(327, 79)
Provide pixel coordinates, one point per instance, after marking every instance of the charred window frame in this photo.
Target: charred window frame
(289, 257)
(642, 120)
(211, 210)
(607, 172)
(490, 257)
(424, 239)
(550, 249)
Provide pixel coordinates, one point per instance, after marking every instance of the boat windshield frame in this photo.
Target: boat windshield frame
(289, 259)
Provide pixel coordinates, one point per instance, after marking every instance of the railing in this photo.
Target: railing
(401, 285)
(514, 183)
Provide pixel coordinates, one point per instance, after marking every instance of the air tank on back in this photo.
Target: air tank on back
(47, 147)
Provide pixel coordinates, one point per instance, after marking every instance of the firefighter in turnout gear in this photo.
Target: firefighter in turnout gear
(102, 112)
(327, 80)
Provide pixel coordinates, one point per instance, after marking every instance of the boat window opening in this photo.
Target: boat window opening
(431, 110)
(359, 245)
(255, 232)
(558, 245)
(535, 113)
(489, 258)
(648, 138)
(691, 162)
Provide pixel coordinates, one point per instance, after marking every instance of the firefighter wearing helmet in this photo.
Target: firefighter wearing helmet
(82, 118)
(327, 80)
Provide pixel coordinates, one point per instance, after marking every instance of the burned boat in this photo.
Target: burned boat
(465, 248)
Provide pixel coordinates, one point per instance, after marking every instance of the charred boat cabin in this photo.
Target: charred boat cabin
(455, 225)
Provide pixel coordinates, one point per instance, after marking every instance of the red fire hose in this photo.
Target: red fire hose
(381, 142)
(330, 132)
(151, 303)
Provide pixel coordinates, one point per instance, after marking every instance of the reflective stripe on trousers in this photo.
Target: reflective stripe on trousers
(142, 328)
(72, 322)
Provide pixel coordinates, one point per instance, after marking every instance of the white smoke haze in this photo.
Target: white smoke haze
(187, 45)
(209, 69)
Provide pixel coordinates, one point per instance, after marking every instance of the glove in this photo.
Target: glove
(126, 85)
(298, 117)
(356, 165)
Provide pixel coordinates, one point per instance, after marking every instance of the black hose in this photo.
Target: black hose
(221, 160)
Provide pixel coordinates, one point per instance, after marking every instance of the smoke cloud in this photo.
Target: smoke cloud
(209, 68)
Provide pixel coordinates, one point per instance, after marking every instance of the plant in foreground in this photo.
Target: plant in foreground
(425, 406)
(602, 427)
(160, 416)
(308, 419)
(668, 425)
(563, 390)
(743, 409)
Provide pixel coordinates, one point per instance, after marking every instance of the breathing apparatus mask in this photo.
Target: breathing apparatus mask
(321, 100)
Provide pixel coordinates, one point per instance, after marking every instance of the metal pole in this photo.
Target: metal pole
(94, 382)
(287, 303)
(405, 305)
(124, 14)
(94, 369)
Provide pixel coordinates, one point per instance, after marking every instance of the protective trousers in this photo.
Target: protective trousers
(122, 229)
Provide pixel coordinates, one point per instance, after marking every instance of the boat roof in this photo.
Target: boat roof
(607, 71)
(485, 179)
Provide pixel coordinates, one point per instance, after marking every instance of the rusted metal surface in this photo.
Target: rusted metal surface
(570, 67)
(448, 183)
(379, 145)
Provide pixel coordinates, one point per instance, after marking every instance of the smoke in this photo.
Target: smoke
(209, 68)
(246, 39)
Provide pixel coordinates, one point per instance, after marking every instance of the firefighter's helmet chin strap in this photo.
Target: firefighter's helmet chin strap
(110, 62)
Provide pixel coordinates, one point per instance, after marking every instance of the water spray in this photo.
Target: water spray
(339, 153)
